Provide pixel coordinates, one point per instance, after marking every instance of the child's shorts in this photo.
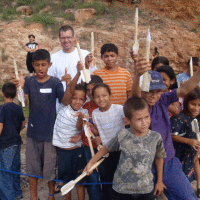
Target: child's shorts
(70, 164)
(41, 158)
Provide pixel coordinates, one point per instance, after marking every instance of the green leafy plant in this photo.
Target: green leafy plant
(194, 30)
(27, 2)
(68, 4)
(8, 13)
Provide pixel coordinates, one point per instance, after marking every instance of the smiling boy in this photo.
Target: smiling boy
(178, 186)
(41, 91)
(139, 147)
(118, 79)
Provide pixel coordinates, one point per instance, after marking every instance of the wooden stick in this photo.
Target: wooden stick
(191, 67)
(88, 134)
(136, 44)
(85, 71)
(70, 185)
(19, 88)
(146, 75)
(92, 48)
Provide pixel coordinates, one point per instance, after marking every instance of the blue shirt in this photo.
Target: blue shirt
(182, 78)
(42, 106)
(160, 121)
(11, 116)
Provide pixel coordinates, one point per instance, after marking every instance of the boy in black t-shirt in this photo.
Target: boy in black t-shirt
(11, 122)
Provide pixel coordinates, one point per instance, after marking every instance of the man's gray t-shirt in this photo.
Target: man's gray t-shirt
(133, 174)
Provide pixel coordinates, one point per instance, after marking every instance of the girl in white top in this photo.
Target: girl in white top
(108, 118)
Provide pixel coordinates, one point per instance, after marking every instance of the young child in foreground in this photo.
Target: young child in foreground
(185, 139)
(178, 186)
(94, 191)
(12, 121)
(41, 91)
(109, 119)
(139, 147)
(67, 136)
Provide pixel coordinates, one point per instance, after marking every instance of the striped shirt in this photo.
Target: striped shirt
(109, 122)
(65, 127)
(119, 81)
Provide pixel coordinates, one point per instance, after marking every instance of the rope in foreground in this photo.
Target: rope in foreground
(40, 177)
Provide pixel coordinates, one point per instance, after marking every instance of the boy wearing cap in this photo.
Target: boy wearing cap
(178, 186)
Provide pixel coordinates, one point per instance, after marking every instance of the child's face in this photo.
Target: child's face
(102, 98)
(140, 122)
(152, 96)
(166, 80)
(89, 88)
(31, 39)
(78, 99)
(194, 108)
(110, 59)
(41, 68)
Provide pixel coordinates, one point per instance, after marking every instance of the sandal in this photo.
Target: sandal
(57, 189)
(198, 193)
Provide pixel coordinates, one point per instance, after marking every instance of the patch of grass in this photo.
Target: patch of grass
(68, 4)
(26, 112)
(194, 30)
(9, 13)
(69, 16)
(4, 56)
(26, 2)
(45, 19)
(39, 6)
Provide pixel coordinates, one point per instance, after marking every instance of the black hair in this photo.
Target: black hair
(95, 79)
(108, 48)
(170, 73)
(195, 61)
(9, 90)
(193, 95)
(41, 54)
(99, 86)
(134, 104)
(158, 60)
(80, 87)
(31, 36)
(66, 28)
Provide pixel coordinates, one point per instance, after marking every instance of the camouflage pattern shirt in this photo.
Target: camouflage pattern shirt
(133, 174)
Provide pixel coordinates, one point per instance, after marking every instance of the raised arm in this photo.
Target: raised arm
(71, 88)
(141, 67)
(188, 85)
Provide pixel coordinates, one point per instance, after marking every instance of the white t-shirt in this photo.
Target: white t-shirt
(110, 122)
(60, 60)
(65, 127)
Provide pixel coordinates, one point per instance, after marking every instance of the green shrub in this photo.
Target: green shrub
(39, 6)
(8, 13)
(44, 18)
(68, 4)
(69, 16)
(27, 2)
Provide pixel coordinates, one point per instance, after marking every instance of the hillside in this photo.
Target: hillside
(174, 24)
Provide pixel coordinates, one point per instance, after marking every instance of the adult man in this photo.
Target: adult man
(68, 56)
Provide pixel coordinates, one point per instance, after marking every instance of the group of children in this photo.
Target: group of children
(132, 125)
